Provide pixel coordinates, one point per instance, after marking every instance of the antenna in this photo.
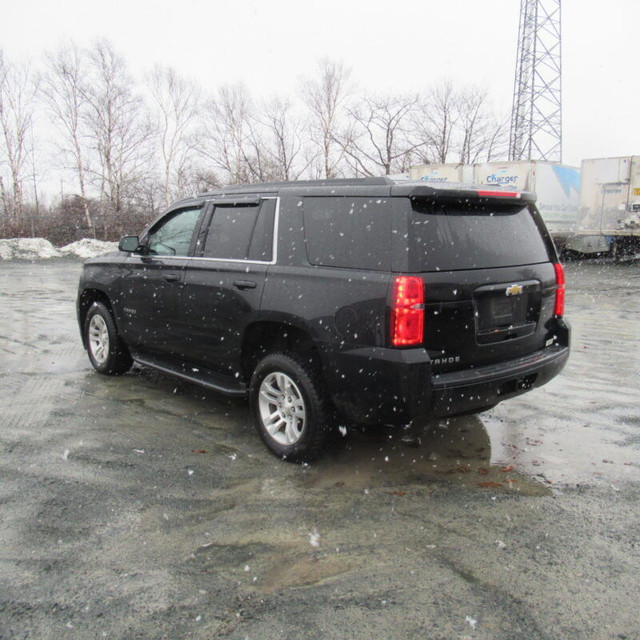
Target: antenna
(536, 115)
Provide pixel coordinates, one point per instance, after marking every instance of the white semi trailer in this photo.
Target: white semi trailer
(557, 186)
(609, 213)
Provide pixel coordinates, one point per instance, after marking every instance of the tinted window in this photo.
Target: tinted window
(172, 235)
(230, 231)
(262, 241)
(453, 235)
(348, 232)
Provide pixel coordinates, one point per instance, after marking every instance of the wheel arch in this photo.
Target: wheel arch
(268, 336)
(86, 298)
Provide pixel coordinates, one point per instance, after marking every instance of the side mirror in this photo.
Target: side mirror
(129, 244)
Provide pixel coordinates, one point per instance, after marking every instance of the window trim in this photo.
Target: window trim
(274, 257)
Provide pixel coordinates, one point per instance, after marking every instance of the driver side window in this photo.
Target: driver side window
(172, 236)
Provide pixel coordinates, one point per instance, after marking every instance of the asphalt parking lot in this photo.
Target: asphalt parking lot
(142, 507)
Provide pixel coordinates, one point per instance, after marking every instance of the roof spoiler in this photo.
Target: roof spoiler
(451, 191)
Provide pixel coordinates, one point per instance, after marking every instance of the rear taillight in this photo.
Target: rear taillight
(407, 311)
(560, 289)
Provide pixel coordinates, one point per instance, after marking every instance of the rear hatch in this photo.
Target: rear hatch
(487, 264)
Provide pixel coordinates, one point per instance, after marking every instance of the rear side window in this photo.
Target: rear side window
(241, 231)
(354, 233)
(262, 241)
(449, 235)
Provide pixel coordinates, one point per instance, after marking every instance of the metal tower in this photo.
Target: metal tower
(536, 115)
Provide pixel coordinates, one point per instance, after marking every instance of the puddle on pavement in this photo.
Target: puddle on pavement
(457, 451)
(303, 570)
(577, 449)
(514, 448)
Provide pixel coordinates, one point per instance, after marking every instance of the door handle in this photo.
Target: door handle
(172, 277)
(245, 284)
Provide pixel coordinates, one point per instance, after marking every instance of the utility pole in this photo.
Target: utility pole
(536, 115)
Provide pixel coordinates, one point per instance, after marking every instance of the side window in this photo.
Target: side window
(354, 233)
(241, 231)
(262, 242)
(172, 235)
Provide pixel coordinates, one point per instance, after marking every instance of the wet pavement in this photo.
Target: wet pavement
(142, 507)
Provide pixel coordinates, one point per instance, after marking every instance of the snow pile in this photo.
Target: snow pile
(39, 248)
(27, 249)
(88, 248)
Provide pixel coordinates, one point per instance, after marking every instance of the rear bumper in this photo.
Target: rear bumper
(394, 387)
(474, 389)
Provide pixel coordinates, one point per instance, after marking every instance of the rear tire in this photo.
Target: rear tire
(290, 407)
(107, 353)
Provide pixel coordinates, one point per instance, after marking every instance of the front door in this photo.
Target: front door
(152, 285)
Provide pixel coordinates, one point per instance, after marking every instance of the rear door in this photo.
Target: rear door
(223, 283)
(489, 279)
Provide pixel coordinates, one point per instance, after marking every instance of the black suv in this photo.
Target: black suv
(336, 302)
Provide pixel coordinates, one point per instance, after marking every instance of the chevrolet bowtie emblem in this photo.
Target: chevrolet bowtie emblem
(514, 290)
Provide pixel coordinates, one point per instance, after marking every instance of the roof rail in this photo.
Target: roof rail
(273, 186)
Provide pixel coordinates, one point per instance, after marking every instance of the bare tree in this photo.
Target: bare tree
(284, 137)
(480, 135)
(436, 122)
(177, 103)
(497, 139)
(459, 121)
(119, 130)
(65, 95)
(324, 97)
(380, 137)
(223, 135)
(200, 180)
(17, 108)
(232, 138)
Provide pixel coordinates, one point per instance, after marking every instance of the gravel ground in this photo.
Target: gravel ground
(142, 507)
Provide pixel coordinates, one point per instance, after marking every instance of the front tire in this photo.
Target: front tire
(291, 411)
(107, 353)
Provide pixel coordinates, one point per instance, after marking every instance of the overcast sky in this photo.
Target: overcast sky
(402, 46)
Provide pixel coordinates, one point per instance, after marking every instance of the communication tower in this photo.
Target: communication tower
(536, 115)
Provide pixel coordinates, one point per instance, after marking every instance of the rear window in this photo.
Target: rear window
(354, 233)
(447, 235)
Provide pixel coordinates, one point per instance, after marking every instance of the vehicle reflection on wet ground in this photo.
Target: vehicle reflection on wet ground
(457, 450)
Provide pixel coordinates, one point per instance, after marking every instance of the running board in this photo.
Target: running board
(202, 376)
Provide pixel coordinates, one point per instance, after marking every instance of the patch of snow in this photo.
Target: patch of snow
(27, 249)
(41, 249)
(314, 538)
(88, 248)
(5, 252)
